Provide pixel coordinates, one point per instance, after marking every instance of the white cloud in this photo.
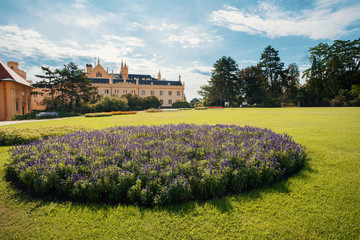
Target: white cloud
(327, 3)
(321, 23)
(171, 34)
(162, 26)
(85, 20)
(190, 37)
(80, 4)
(30, 43)
(80, 14)
(21, 43)
(129, 41)
(248, 61)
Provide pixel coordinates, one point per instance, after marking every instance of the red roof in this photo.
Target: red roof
(7, 74)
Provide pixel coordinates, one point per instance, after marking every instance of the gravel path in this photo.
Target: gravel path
(3, 123)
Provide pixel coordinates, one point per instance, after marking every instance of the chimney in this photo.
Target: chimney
(89, 68)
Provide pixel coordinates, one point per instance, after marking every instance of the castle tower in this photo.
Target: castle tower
(159, 75)
(124, 71)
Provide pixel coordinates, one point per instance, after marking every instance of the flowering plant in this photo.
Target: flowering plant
(155, 165)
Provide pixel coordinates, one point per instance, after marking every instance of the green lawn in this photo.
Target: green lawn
(321, 202)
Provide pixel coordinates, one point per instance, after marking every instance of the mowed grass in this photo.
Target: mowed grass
(320, 202)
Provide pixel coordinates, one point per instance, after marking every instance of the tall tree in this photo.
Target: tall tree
(334, 67)
(291, 83)
(253, 84)
(76, 86)
(223, 85)
(49, 82)
(71, 85)
(272, 67)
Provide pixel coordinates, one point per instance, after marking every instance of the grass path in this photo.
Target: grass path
(321, 202)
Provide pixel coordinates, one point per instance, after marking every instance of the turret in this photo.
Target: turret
(159, 75)
(125, 72)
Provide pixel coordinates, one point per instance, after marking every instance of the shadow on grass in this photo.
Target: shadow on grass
(222, 204)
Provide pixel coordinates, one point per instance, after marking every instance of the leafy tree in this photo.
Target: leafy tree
(109, 104)
(253, 84)
(223, 85)
(291, 83)
(334, 67)
(49, 82)
(194, 101)
(75, 86)
(69, 87)
(134, 102)
(150, 102)
(181, 104)
(272, 67)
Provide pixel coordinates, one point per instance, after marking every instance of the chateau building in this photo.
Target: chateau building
(123, 83)
(15, 97)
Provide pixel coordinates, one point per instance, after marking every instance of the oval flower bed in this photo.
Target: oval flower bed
(155, 165)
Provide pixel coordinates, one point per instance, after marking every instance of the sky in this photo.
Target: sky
(177, 37)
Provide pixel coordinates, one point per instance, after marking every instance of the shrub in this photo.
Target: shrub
(150, 102)
(98, 114)
(108, 104)
(137, 103)
(181, 104)
(337, 102)
(11, 135)
(201, 108)
(134, 102)
(33, 113)
(270, 102)
(28, 116)
(123, 112)
(154, 110)
(155, 165)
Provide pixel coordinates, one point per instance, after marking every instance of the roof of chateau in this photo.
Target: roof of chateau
(7, 74)
(153, 81)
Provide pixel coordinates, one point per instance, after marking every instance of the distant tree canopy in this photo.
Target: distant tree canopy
(333, 79)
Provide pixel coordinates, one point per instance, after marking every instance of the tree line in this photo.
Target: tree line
(333, 79)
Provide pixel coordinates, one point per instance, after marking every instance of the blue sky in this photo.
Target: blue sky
(177, 37)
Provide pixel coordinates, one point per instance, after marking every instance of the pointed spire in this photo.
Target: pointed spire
(159, 75)
(98, 60)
